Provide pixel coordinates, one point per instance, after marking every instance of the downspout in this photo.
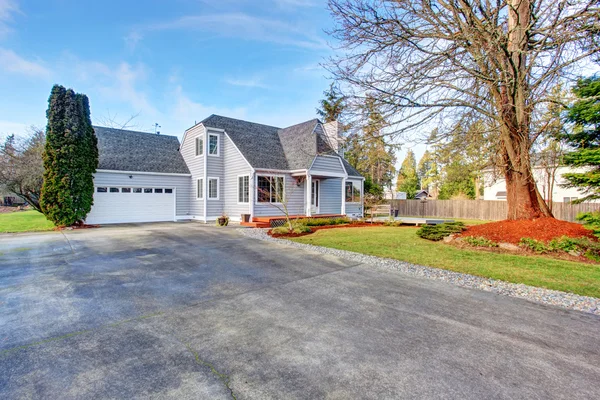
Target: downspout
(204, 180)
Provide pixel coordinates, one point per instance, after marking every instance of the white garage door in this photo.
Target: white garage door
(132, 204)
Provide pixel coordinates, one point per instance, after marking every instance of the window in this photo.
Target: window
(199, 146)
(243, 189)
(352, 193)
(270, 189)
(126, 190)
(147, 190)
(137, 190)
(213, 188)
(213, 145)
(168, 190)
(200, 189)
(101, 190)
(114, 190)
(158, 190)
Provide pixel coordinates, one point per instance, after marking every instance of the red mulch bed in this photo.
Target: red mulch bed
(543, 229)
(318, 228)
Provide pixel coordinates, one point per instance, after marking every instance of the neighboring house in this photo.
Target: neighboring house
(422, 195)
(495, 186)
(223, 166)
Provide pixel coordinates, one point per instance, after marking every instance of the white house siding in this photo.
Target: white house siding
(215, 169)
(354, 208)
(493, 187)
(196, 167)
(295, 196)
(181, 184)
(331, 165)
(235, 165)
(331, 196)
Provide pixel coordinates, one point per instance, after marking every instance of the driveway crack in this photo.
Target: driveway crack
(224, 378)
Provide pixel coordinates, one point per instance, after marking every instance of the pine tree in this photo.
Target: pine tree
(408, 180)
(428, 172)
(332, 106)
(584, 114)
(70, 158)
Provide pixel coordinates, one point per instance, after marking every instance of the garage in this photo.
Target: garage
(132, 204)
(141, 177)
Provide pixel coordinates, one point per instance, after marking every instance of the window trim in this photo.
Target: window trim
(208, 179)
(199, 184)
(256, 189)
(199, 137)
(238, 189)
(218, 153)
(353, 195)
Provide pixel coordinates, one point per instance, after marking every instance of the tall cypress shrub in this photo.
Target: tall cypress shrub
(70, 158)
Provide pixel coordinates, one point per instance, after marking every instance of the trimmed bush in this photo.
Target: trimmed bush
(479, 241)
(440, 231)
(392, 223)
(322, 221)
(297, 229)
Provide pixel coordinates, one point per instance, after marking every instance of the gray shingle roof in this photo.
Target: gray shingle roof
(123, 150)
(269, 147)
(299, 144)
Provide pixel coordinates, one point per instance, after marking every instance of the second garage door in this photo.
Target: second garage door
(114, 205)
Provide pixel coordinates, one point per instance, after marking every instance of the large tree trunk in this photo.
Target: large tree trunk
(522, 195)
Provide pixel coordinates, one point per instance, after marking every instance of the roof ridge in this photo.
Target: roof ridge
(238, 119)
(130, 131)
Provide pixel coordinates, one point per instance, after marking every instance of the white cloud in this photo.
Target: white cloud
(132, 39)
(7, 9)
(252, 83)
(245, 26)
(13, 63)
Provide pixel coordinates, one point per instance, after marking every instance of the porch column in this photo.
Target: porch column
(251, 190)
(308, 194)
(343, 208)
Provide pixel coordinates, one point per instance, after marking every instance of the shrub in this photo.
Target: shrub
(590, 220)
(300, 228)
(297, 228)
(280, 230)
(322, 221)
(440, 231)
(586, 246)
(479, 241)
(392, 223)
(533, 245)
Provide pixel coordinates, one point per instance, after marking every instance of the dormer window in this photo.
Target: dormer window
(199, 146)
(213, 144)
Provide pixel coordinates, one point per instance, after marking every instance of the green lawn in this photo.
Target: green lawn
(403, 244)
(24, 221)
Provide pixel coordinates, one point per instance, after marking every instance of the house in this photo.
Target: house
(223, 166)
(548, 182)
(422, 195)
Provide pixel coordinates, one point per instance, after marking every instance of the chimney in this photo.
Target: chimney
(331, 136)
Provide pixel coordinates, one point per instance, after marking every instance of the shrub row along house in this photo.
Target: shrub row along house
(223, 166)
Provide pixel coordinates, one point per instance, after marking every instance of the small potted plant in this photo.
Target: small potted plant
(223, 220)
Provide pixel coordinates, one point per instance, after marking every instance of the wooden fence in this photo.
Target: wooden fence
(479, 209)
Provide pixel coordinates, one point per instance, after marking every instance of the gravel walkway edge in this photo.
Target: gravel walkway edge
(539, 295)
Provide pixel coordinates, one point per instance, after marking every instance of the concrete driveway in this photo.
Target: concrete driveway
(191, 311)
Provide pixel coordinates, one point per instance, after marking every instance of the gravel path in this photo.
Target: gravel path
(536, 294)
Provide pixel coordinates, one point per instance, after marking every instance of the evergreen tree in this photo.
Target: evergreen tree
(458, 182)
(584, 114)
(332, 106)
(408, 180)
(368, 150)
(70, 158)
(428, 172)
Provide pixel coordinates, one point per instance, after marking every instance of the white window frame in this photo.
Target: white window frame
(208, 179)
(199, 137)
(353, 195)
(238, 189)
(200, 184)
(256, 189)
(218, 136)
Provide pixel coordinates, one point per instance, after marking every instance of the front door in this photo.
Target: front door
(315, 195)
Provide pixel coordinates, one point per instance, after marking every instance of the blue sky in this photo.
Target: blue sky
(173, 62)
